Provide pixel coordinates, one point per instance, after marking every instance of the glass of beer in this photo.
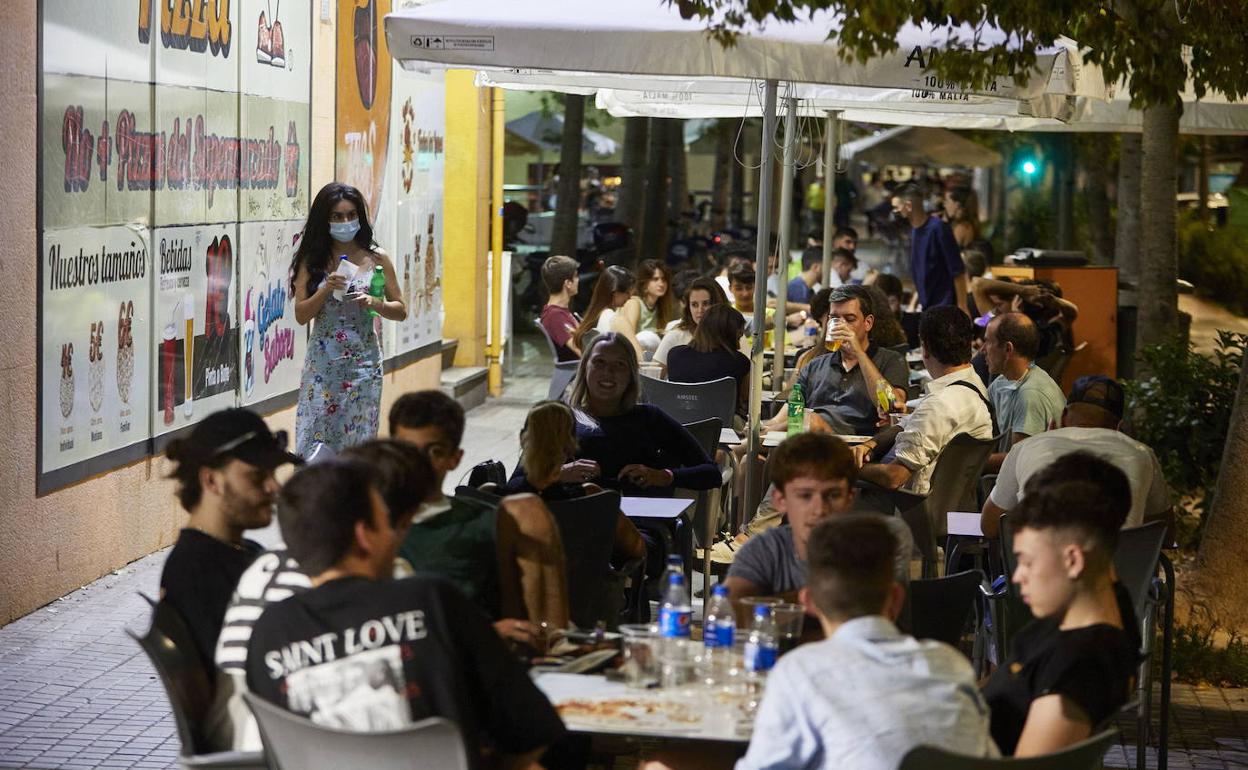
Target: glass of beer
(831, 344)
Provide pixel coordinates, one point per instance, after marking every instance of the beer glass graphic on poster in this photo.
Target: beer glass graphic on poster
(96, 311)
(272, 343)
(195, 324)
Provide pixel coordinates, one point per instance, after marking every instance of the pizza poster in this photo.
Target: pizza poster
(271, 343)
(95, 360)
(194, 324)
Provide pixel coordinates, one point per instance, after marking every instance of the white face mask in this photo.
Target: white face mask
(344, 231)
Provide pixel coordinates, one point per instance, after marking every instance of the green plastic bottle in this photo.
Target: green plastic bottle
(377, 286)
(797, 411)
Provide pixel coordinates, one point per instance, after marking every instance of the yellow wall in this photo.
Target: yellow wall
(53, 544)
(466, 216)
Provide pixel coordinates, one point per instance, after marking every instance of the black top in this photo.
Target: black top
(684, 364)
(1094, 667)
(375, 655)
(519, 484)
(647, 435)
(198, 580)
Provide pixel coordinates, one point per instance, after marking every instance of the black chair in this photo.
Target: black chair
(298, 743)
(587, 529)
(560, 378)
(690, 402)
(1085, 755)
(939, 607)
(1136, 560)
(189, 687)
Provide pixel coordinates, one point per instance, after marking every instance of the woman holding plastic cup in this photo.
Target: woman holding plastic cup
(340, 390)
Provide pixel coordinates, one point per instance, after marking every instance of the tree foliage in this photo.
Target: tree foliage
(1156, 45)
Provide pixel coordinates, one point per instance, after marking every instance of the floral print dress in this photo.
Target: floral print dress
(340, 393)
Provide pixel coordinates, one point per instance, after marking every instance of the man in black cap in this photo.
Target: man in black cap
(1090, 423)
(224, 471)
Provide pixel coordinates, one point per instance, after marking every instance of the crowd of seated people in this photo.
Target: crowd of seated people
(466, 583)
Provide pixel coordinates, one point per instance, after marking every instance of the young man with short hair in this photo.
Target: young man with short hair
(866, 694)
(802, 287)
(844, 263)
(561, 277)
(939, 273)
(813, 478)
(224, 470)
(1073, 667)
(1090, 422)
(362, 651)
(506, 557)
(1025, 398)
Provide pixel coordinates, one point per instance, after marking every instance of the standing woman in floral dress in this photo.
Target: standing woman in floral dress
(340, 389)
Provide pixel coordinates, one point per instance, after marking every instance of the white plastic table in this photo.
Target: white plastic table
(641, 713)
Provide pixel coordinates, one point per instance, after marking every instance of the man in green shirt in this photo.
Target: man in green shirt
(1025, 398)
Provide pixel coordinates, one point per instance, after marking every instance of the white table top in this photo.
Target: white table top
(643, 713)
(729, 436)
(655, 507)
(964, 523)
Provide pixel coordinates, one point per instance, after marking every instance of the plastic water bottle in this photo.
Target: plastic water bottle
(797, 411)
(761, 649)
(377, 286)
(346, 270)
(810, 333)
(720, 628)
(675, 613)
(674, 567)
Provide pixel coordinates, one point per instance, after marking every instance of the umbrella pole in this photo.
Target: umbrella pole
(831, 154)
(784, 242)
(752, 442)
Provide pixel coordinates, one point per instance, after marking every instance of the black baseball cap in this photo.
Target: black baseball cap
(1099, 390)
(242, 434)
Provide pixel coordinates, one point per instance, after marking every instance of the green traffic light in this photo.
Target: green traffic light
(1029, 167)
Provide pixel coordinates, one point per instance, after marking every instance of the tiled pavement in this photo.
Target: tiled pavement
(76, 692)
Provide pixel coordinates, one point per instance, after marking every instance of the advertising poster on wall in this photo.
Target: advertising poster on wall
(418, 139)
(275, 49)
(196, 43)
(97, 311)
(196, 173)
(272, 344)
(194, 324)
(97, 161)
(275, 165)
(363, 97)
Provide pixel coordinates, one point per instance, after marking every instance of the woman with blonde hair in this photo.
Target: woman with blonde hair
(547, 449)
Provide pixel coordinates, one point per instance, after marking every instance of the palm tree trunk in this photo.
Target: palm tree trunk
(563, 237)
(1127, 235)
(1159, 270)
(654, 236)
(1096, 195)
(631, 193)
(678, 171)
(721, 185)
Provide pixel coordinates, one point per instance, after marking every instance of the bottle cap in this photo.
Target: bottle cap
(719, 590)
(343, 257)
(762, 611)
(673, 559)
(676, 579)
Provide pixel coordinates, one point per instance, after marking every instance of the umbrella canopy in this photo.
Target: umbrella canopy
(913, 146)
(545, 132)
(1212, 114)
(593, 44)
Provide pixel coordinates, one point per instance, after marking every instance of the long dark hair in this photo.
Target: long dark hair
(316, 247)
(707, 285)
(613, 279)
(666, 308)
(721, 329)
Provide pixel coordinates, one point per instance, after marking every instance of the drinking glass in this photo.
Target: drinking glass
(789, 618)
(641, 654)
